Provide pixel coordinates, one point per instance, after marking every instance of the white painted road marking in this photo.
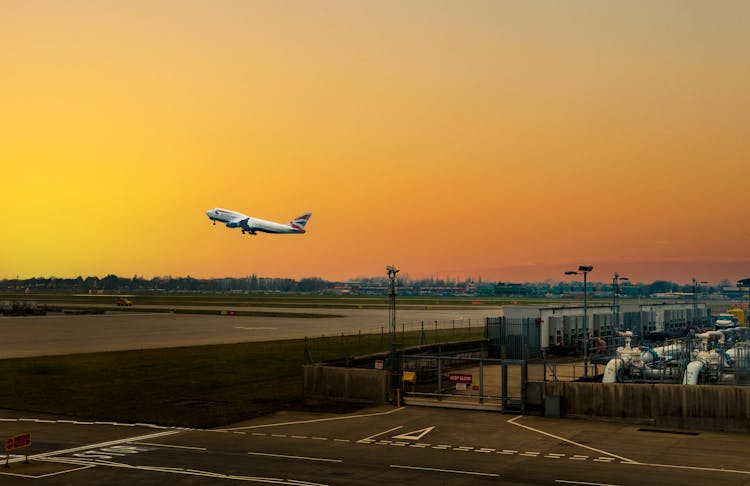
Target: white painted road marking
(370, 438)
(75, 422)
(109, 452)
(284, 456)
(193, 472)
(513, 421)
(604, 459)
(170, 446)
(48, 474)
(329, 419)
(452, 471)
(98, 446)
(584, 483)
(415, 435)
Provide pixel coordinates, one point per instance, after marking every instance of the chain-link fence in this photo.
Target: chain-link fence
(319, 349)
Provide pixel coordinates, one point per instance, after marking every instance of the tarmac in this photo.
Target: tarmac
(416, 445)
(57, 334)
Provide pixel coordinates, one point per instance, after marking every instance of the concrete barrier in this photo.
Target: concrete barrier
(706, 407)
(330, 384)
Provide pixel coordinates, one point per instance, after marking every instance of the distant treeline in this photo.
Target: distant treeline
(373, 285)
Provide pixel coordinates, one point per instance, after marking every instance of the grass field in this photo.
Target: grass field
(202, 386)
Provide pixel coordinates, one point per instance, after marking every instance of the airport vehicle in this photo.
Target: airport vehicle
(250, 225)
(124, 301)
(726, 320)
(738, 314)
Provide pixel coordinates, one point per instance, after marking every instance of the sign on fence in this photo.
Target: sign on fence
(459, 378)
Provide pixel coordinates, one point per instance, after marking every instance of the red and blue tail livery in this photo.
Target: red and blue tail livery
(250, 225)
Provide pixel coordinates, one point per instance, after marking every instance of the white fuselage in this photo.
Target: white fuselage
(233, 219)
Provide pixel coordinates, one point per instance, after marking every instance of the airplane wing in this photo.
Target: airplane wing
(243, 223)
(237, 222)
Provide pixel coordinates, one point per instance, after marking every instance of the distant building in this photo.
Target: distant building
(564, 325)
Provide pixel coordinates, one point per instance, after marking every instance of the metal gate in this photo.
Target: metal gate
(465, 382)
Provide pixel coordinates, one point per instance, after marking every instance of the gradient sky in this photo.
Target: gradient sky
(507, 140)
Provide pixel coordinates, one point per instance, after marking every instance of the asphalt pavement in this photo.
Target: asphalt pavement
(398, 446)
(56, 334)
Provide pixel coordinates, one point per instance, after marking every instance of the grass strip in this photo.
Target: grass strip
(199, 386)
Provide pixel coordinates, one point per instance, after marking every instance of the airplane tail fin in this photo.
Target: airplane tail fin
(300, 221)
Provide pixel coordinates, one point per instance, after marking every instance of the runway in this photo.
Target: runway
(57, 334)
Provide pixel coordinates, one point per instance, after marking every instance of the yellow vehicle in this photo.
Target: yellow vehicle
(738, 314)
(124, 301)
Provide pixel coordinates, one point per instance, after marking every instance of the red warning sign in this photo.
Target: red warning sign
(23, 440)
(459, 378)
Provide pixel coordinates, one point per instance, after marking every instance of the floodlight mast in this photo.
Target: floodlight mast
(584, 269)
(394, 362)
(392, 280)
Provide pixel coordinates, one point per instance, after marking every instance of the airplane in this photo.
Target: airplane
(249, 225)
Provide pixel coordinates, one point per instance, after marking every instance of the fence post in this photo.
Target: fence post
(343, 346)
(453, 327)
(439, 376)
(436, 329)
(421, 335)
(504, 387)
(524, 383)
(481, 380)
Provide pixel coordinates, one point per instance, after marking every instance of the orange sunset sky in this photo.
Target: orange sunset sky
(507, 140)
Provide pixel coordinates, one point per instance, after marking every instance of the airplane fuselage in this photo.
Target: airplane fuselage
(233, 219)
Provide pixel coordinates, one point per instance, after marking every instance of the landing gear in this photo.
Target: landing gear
(214, 223)
(243, 232)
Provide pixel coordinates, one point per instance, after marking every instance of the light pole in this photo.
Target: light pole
(584, 269)
(696, 283)
(616, 279)
(392, 271)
